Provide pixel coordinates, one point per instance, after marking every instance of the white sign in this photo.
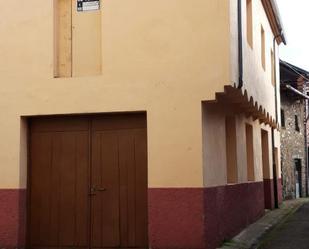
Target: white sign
(88, 5)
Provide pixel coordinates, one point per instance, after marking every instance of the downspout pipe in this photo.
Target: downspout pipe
(306, 146)
(275, 173)
(240, 46)
(297, 91)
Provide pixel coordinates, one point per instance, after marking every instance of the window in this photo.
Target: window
(231, 149)
(296, 123)
(250, 152)
(282, 118)
(249, 23)
(263, 47)
(272, 56)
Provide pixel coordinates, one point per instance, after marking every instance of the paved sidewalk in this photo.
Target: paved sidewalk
(257, 233)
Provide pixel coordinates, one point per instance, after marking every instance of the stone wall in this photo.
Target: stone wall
(292, 145)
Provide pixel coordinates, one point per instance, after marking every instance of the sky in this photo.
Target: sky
(295, 19)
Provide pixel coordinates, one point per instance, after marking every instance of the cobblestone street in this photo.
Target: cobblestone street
(292, 234)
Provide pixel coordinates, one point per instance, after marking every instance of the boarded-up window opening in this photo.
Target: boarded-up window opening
(272, 67)
(77, 40)
(231, 149)
(63, 38)
(263, 47)
(250, 152)
(265, 154)
(249, 23)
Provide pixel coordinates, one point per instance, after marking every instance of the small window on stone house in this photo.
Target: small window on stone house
(296, 123)
(282, 118)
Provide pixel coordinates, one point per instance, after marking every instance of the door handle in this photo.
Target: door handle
(94, 189)
(100, 189)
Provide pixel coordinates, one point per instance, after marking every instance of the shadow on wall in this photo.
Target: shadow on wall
(22, 196)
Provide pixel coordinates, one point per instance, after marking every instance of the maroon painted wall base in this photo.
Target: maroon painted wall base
(196, 218)
(280, 193)
(179, 218)
(269, 193)
(229, 209)
(176, 218)
(12, 218)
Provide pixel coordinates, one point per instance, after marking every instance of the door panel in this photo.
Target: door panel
(119, 164)
(41, 155)
(127, 187)
(59, 189)
(133, 187)
(141, 219)
(105, 204)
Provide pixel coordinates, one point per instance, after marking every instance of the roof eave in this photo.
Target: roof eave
(273, 15)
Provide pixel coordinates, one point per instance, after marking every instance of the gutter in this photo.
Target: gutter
(278, 20)
(275, 173)
(273, 15)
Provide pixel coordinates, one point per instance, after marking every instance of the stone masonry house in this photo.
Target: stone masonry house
(293, 131)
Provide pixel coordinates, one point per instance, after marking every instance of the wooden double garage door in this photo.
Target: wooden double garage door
(88, 182)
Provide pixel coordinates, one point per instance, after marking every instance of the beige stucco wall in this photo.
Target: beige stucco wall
(258, 85)
(163, 57)
(214, 146)
(257, 81)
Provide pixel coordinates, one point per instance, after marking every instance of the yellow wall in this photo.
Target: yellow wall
(164, 57)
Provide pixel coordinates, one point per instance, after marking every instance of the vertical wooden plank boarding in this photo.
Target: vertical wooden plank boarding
(63, 38)
(105, 204)
(59, 187)
(141, 189)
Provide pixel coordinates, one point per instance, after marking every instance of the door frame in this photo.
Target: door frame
(298, 168)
